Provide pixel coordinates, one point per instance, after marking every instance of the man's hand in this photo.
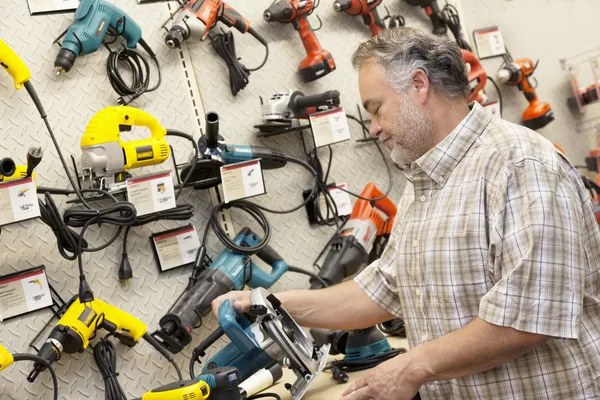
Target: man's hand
(240, 300)
(394, 379)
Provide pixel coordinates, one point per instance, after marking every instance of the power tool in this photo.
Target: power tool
(282, 112)
(93, 18)
(432, 9)
(357, 240)
(215, 152)
(7, 359)
(517, 73)
(198, 17)
(229, 271)
(476, 75)
(367, 9)
(106, 158)
(190, 389)
(80, 322)
(10, 171)
(273, 337)
(318, 62)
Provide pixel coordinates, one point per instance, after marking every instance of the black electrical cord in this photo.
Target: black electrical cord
(224, 46)
(264, 395)
(105, 356)
(359, 365)
(173, 132)
(394, 327)
(452, 20)
(32, 357)
(311, 274)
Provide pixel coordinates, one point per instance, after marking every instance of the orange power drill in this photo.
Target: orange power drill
(517, 72)
(200, 16)
(477, 76)
(365, 8)
(318, 62)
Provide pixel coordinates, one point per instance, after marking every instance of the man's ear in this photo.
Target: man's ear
(421, 85)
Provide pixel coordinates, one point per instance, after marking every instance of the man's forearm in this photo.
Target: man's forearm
(475, 348)
(343, 306)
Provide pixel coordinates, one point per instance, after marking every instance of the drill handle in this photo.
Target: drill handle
(528, 90)
(433, 12)
(116, 319)
(12, 63)
(279, 267)
(308, 37)
(374, 22)
(124, 25)
(386, 205)
(231, 17)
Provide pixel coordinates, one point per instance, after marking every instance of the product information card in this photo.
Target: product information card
(152, 193)
(329, 127)
(48, 6)
(176, 248)
(341, 199)
(18, 201)
(24, 292)
(242, 180)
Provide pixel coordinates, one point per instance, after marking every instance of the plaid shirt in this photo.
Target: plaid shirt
(496, 223)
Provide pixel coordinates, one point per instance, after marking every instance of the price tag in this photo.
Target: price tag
(48, 6)
(489, 42)
(24, 292)
(18, 201)
(341, 199)
(176, 247)
(242, 180)
(329, 127)
(152, 193)
(493, 110)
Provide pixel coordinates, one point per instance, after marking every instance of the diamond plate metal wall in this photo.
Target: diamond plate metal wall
(71, 100)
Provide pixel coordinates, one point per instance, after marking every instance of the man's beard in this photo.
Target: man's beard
(412, 133)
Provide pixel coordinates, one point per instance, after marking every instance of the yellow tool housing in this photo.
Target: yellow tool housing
(6, 359)
(10, 61)
(197, 390)
(20, 173)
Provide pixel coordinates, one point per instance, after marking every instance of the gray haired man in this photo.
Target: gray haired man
(494, 258)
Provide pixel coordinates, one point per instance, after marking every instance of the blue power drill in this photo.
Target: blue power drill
(229, 271)
(93, 19)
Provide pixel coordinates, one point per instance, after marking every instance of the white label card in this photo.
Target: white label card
(18, 201)
(23, 293)
(493, 110)
(46, 6)
(329, 127)
(489, 42)
(152, 193)
(242, 180)
(178, 248)
(341, 199)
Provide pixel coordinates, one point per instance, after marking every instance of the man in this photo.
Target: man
(493, 262)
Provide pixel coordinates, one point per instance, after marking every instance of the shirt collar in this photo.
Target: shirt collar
(439, 162)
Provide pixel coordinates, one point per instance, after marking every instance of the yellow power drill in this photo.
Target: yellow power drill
(7, 359)
(105, 157)
(79, 323)
(193, 389)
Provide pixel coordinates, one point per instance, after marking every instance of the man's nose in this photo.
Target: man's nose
(374, 129)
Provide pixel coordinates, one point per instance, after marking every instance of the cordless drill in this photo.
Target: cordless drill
(517, 73)
(200, 16)
(229, 271)
(93, 19)
(79, 323)
(432, 9)
(367, 9)
(476, 75)
(318, 62)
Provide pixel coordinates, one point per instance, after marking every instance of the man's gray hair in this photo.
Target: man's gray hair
(403, 51)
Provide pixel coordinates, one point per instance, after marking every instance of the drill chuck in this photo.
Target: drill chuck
(7, 167)
(281, 11)
(64, 61)
(342, 5)
(50, 351)
(176, 36)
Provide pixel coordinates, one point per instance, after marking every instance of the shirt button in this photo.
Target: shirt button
(432, 387)
(415, 243)
(419, 292)
(424, 337)
(423, 198)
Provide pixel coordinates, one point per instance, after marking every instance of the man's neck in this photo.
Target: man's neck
(447, 115)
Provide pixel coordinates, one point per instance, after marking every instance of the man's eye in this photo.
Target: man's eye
(376, 112)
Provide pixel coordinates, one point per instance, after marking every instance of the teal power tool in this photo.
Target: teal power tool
(273, 337)
(215, 152)
(229, 271)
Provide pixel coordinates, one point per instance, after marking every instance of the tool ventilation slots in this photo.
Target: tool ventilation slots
(164, 150)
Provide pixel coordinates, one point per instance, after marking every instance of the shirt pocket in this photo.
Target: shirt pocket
(457, 276)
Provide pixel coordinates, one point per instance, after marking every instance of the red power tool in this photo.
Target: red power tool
(200, 16)
(366, 9)
(477, 76)
(318, 62)
(356, 243)
(432, 9)
(517, 72)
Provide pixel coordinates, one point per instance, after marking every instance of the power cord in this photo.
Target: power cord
(452, 20)
(224, 45)
(105, 356)
(359, 365)
(394, 327)
(32, 357)
(308, 273)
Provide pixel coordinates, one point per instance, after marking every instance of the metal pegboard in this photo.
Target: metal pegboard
(71, 100)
